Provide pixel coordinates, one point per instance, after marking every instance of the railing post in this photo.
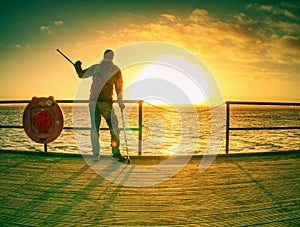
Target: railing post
(227, 126)
(140, 126)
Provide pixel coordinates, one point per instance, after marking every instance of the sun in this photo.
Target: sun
(179, 87)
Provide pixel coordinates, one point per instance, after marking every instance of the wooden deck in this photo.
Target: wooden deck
(236, 190)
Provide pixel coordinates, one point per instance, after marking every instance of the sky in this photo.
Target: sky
(252, 48)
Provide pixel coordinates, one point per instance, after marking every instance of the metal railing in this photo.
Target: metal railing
(228, 128)
(140, 114)
(139, 128)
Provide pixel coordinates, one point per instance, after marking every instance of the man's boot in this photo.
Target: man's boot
(117, 155)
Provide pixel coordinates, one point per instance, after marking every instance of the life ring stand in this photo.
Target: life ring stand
(43, 119)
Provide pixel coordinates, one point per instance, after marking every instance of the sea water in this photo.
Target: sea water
(164, 129)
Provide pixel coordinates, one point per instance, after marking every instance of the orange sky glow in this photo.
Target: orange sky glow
(253, 54)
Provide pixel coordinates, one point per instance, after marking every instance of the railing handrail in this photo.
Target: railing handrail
(228, 128)
(263, 103)
(65, 101)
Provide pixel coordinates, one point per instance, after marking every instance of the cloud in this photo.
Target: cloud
(17, 45)
(278, 11)
(292, 42)
(169, 17)
(275, 10)
(199, 16)
(289, 49)
(58, 22)
(46, 28)
(241, 39)
(50, 30)
(199, 31)
(293, 5)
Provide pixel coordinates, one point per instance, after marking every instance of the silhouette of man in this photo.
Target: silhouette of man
(105, 77)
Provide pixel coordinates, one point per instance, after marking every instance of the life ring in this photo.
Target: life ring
(43, 119)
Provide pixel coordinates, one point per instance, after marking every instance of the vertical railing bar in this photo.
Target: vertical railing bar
(140, 127)
(227, 126)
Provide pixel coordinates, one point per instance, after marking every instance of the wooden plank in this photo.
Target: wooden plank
(41, 190)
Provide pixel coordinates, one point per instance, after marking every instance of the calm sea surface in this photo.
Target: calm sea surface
(164, 129)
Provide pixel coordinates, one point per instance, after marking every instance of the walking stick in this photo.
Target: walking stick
(128, 158)
(65, 56)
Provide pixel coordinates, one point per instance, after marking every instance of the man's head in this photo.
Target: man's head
(108, 54)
